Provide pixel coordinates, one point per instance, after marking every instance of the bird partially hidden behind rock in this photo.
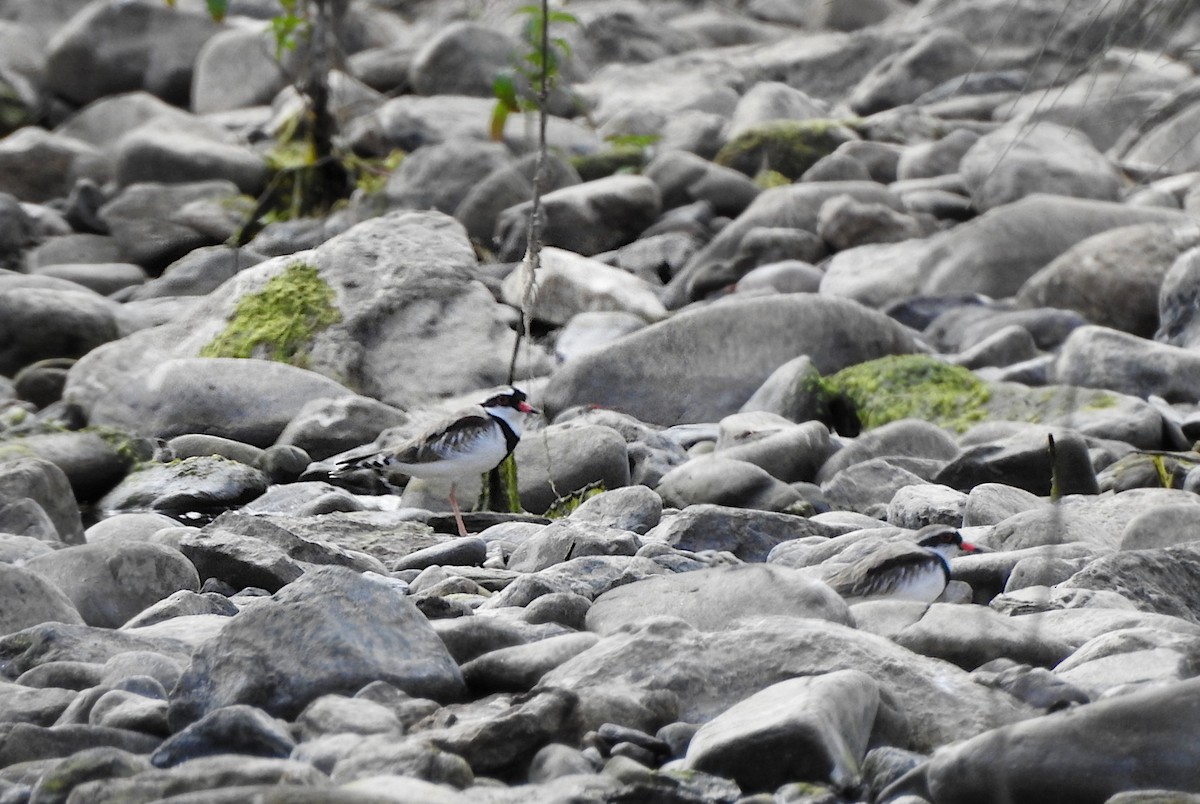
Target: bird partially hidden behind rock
(903, 571)
(472, 441)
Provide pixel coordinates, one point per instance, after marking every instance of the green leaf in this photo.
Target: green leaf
(499, 118)
(564, 16)
(216, 8)
(506, 91)
(287, 29)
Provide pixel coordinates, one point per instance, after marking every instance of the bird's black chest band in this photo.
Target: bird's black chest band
(510, 438)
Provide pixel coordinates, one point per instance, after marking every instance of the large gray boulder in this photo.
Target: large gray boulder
(1162, 580)
(31, 600)
(1177, 302)
(441, 175)
(1162, 139)
(37, 165)
(811, 729)
(40, 322)
(402, 279)
(110, 582)
(997, 252)
(588, 218)
(246, 400)
(1130, 742)
(1021, 159)
(165, 153)
(34, 480)
(156, 223)
(1098, 357)
(116, 47)
(702, 365)
(1113, 278)
(748, 534)
(462, 58)
(938, 56)
(233, 70)
(353, 629)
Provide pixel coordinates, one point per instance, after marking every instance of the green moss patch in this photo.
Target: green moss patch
(278, 322)
(789, 147)
(916, 387)
(1102, 401)
(619, 158)
(14, 113)
(766, 179)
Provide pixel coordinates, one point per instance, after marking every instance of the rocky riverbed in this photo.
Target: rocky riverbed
(817, 275)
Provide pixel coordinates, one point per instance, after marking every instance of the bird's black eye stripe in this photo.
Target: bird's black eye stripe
(511, 399)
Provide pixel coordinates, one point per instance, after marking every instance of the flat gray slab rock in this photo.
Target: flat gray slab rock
(748, 534)
(930, 702)
(201, 483)
(704, 364)
(1096, 520)
(972, 635)
(718, 599)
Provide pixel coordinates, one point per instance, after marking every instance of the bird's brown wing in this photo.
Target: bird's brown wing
(445, 440)
(870, 575)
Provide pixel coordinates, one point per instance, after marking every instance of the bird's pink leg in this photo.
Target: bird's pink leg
(462, 527)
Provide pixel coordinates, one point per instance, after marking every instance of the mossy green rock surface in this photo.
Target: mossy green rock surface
(788, 147)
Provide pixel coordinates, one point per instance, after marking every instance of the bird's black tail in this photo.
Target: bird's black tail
(379, 463)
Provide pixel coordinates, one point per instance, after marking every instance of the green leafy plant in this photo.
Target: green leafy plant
(289, 27)
(1165, 478)
(565, 505)
(538, 66)
(310, 175)
(217, 9)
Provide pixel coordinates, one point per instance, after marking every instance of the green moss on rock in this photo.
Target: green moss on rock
(913, 386)
(278, 322)
(619, 158)
(766, 179)
(1101, 401)
(789, 147)
(14, 113)
(134, 450)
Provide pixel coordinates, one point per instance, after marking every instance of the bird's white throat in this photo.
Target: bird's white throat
(510, 416)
